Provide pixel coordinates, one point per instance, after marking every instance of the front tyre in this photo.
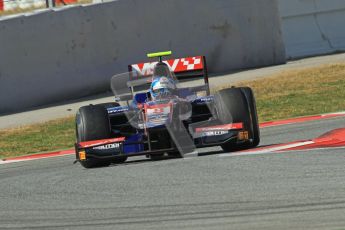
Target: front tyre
(92, 123)
(234, 105)
(248, 92)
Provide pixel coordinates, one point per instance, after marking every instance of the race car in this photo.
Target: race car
(157, 111)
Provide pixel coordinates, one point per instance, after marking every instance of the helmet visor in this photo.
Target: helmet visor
(162, 92)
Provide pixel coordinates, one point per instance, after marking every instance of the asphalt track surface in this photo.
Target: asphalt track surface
(287, 190)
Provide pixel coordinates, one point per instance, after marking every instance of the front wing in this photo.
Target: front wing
(134, 146)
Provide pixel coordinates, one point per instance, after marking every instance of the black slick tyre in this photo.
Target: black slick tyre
(235, 105)
(248, 92)
(92, 123)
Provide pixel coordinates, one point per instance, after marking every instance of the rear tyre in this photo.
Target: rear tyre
(92, 123)
(235, 105)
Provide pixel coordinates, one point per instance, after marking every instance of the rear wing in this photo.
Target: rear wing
(183, 68)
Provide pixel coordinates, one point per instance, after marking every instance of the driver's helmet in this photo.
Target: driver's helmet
(162, 87)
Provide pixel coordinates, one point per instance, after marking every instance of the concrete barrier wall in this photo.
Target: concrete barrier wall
(312, 27)
(57, 55)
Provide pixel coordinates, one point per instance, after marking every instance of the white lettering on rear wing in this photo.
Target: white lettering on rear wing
(175, 65)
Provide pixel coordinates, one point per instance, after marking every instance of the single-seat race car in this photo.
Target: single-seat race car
(155, 113)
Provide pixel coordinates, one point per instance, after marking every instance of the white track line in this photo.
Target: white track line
(267, 150)
(313, 149)
(337, 113)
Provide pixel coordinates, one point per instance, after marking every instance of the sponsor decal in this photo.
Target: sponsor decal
(158, 114)
(157, 118)
(202, 100)
(176, 65)
(158, 110)
(214, 133)
(108, 146)
(95, 143)
(117, 109)
(225, 127)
